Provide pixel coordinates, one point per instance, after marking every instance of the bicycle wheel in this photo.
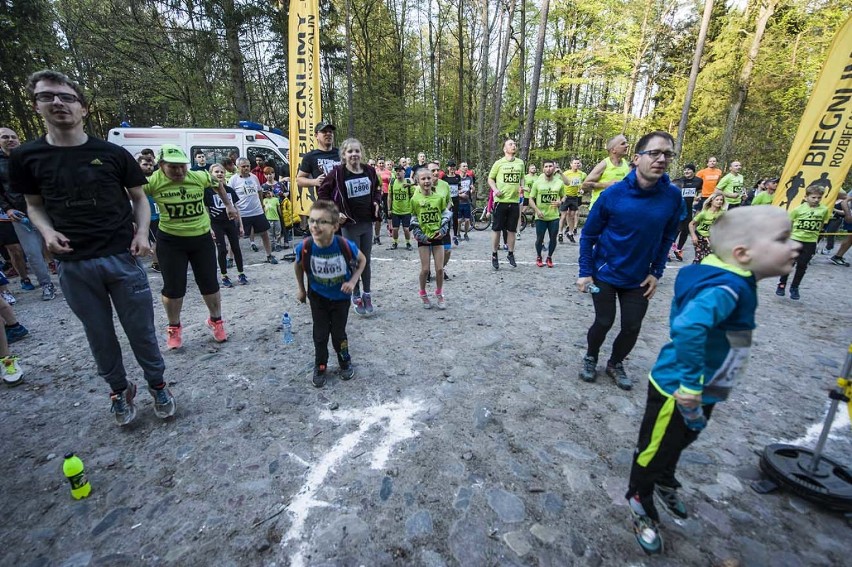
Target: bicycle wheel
(524, 222)
(479, 220)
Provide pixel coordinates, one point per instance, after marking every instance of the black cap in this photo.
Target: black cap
(451, 163)
(399, 168)
(773, 180)
(690, 166)
(323, 125)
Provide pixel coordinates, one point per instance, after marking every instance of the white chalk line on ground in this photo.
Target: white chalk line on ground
(840, 423)
(397, 421)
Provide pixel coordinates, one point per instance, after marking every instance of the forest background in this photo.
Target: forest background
(451, 78)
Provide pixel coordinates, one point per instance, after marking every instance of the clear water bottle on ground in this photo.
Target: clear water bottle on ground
(693, 417)
(286, 329)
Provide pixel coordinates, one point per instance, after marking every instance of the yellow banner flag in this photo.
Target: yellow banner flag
(303, 68)
(822, 149)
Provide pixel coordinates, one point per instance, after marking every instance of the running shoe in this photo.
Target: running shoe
(561, 240)
(155, 267)
(123, 409)
(446, 274)
(347, 370)
(226, 282)
(669, 498)
(8, 297)
(164, 402)
(378, 241)
(495, 263)
(779, 291)
(549, 262)
(678, 254)
(393, 246)
(826, 251)
(408, 246)
(511, 258)
(52, 267)
(358, 303)
(571, 238)
(218, 328)
(794, 293)
(617, 373)
(425, 299)
(429, 277)
(318, 379)
(272, 259)
(368, 303)
(13, 374)
(505, 247)
(242, 279)
(254, 247)
(230, 263)
(439, 302)
(645, 528)
(27, 285)
(590, 369)
(538, 262)
(10, 271)
(466, 237)
(16, 333)
(48, 292)
(173, 337)
(575, 232)
(836, 260)
(455, 241)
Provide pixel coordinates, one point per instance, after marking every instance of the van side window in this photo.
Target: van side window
(271, 158)
(214, 153)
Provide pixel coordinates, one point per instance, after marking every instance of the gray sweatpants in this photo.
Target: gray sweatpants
(361, 233)
(89, 286)
(32, 242)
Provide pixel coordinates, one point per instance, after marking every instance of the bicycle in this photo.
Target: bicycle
(481, 219)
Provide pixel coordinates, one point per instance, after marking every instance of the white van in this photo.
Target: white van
(215, 143)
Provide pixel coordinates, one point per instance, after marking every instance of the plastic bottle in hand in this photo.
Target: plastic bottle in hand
(76, 475)
(25, 221)
(286, 329)
(592, 288)
(693, 417)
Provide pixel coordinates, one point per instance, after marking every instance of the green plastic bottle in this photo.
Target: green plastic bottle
(73, 469)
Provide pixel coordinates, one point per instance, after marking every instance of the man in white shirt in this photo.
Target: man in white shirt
(247, 187)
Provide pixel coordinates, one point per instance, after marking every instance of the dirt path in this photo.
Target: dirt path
(466, 437)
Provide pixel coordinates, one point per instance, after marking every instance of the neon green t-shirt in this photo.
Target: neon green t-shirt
(763, 199)
(182, 210)
(400, 197)
(507, 175)
(704, 220)
(610, 173)
(429, 210)
(271, 208)
(547, 195)
(808, 221)
(529, 179)
(576, 179)
(732, 184)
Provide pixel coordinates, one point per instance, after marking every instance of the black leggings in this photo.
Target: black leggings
(455, 216)
(229, 230)
(683, 229)
(633, 307)
(551, 227)
(807, 252)
(329, 318)
(176, 252)
(361, 233)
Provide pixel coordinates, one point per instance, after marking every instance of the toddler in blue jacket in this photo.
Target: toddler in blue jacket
(711, 320)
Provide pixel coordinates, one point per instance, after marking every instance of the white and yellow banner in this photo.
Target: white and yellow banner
(822, 148)
(305, 95)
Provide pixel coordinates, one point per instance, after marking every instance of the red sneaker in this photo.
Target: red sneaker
(218, 328)
(173, 337)
(539, 263)
(549, 262)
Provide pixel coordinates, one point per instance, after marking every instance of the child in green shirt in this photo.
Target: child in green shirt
(430, 222)
(271, 206)
(700, 225)
(808, 220)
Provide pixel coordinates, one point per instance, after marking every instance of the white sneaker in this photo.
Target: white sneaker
(13, 374)
(440, 304)
(7, 295)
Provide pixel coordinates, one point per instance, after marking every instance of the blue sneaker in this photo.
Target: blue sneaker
(226, 282)
(27, 285)
(16, 333)
(164, 402)
(794, 293)
(242, 279)
(358, 303)
(123, 408)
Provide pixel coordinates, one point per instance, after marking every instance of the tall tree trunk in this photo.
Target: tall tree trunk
(641, 49)
(498, 86)
(235, 59)
(483, 87)
(522, 66)
(693, 77)
(767, 8)
(536, 77)
(349, 107)
(459, 146)
(432, 81)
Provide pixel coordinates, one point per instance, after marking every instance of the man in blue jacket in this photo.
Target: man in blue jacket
(623, 251)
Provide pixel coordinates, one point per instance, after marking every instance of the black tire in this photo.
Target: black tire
(787, 466)
(480, 223)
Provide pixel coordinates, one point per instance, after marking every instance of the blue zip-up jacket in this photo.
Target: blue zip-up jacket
(629, 232)
(711, 321)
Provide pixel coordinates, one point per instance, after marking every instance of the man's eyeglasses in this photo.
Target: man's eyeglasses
(319, 222)
(655, 154)
(47, 96)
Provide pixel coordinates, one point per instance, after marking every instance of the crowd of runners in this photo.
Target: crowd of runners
(88, 210)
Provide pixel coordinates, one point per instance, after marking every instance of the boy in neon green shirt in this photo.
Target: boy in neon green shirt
(400, 192)
(731, 186)
(808, 220)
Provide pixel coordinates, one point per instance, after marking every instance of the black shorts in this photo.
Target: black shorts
(404, 220)
(437, 242)
(7, 234)
(526, 202)
(505, 217)
(259, 223)
(153, 230)
(174, 253)
(570, 204)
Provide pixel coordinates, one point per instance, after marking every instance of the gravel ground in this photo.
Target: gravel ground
(465, 438)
